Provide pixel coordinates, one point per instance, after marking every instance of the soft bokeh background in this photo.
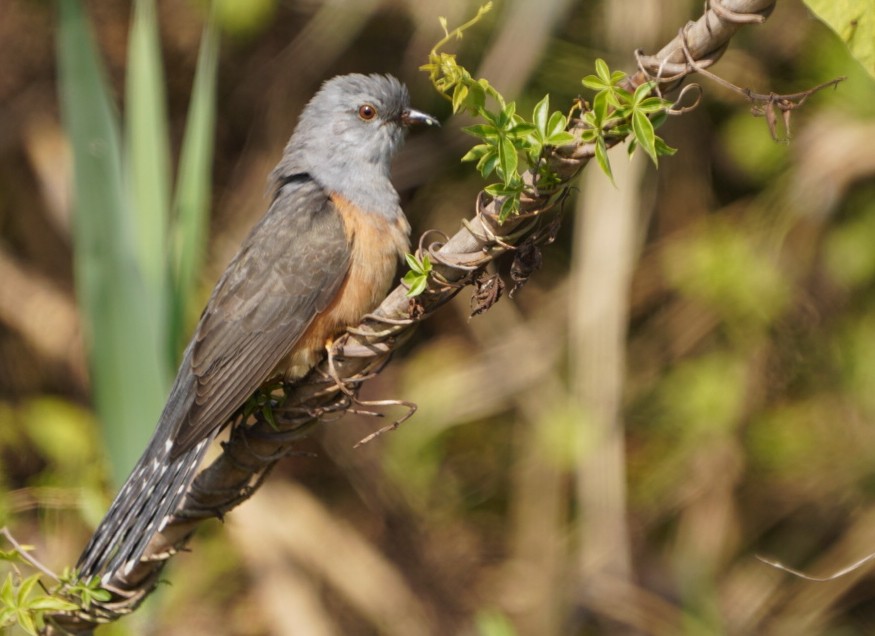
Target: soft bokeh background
(688, 382)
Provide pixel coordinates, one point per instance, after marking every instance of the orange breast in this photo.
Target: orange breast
(376, 243)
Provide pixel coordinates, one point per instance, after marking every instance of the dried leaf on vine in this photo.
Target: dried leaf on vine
(527, 260)
(487, 291)
(415, 310)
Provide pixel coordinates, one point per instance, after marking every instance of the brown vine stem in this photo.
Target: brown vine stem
(256, 445)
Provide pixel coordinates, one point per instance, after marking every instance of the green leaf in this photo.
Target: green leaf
(507, 160)
(488, 163)
(642, 92)
(51, 604)
(601, 155)
(560, 139)
(644, 134)
(476, 98)
(7, 594)
(600, 109)
(493, 118)
(505, 119)
(602, 70)
(652, 105)
(621, 130)
(495, 189)
(556, 125)
(26, 588)
(521, 130)
(413, 263)
(594, 83)
(663, 149)
(619, 98)
(588, 135)
(482, 131)
(476, 153)
(509, 207)
(658, 118)
(12, 555)
(459, 95)
(417, 278)
(26, 622)
(854, 22)
(416, 283)
(541, 114)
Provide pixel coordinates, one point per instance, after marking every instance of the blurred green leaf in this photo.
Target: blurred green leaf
(796, 440)
(856, 348)
(494, 623)
(751, 147)
(20, 607)
(194, 183)
(721, 266)
(62, 431)
(704, 396)
(663, 149)
(848, 253)
(244, 18)
(126, 361)
(148, 163)
(854, 22)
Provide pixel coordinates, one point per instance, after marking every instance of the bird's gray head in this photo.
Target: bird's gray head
(347, 135)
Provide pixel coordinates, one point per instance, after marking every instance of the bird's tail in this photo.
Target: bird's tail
(153, 491)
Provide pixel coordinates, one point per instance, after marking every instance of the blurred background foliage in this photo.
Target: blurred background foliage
(687, 382)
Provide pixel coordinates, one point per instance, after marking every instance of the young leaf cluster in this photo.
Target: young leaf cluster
(617, 113)
(509, 143)
(417, 278)
(24, 603)
(85, 593)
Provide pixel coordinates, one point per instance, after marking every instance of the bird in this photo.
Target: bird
(324, 254)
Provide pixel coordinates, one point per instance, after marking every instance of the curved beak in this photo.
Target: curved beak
(410, 117)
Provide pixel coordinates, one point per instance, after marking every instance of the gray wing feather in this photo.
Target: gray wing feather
(288, 270)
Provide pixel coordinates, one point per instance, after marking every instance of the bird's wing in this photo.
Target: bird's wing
(287, 271)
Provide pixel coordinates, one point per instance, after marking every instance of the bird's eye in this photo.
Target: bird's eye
(367, 112)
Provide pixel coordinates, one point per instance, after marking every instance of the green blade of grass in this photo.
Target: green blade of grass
(124, 351)
(148, 164)
(194, 182)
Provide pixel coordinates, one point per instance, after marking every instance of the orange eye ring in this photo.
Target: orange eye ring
(367, 112)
